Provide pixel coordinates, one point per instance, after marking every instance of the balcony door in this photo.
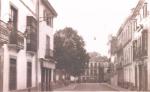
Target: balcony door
(47, 51)
(47, 42)
(14, 16)
(143, 77)
(45, 79)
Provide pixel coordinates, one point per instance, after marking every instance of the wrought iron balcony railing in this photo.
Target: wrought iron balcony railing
(49, 53)
(4, 33)
(14, 37)
(20, 40)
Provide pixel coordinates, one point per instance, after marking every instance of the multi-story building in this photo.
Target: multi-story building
(141, 52)
(45, 54)
(132, 49)
(95, 70)
(124, 53)
(26, 57)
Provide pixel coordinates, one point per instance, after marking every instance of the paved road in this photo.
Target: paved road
(87, 87)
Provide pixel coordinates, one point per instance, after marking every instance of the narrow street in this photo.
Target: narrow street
(87, 87)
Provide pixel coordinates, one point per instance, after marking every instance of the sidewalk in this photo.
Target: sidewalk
(116, 87)
(69, 87)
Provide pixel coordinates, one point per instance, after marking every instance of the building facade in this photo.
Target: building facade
(45, 53)
(141, 48)
(21, 65)
(132, 52)
(95, 71)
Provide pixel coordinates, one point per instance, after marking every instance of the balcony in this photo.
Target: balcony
(119, 48)
(4, 33)
(139, 54)
(140, 49)
(119, 66)
(13, 38)
(16, 40)
(48, 53)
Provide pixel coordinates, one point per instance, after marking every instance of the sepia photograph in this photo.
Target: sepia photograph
(74, 45)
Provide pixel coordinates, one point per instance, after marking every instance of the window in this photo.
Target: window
(135, 24)
(95, 65)
(144, 42)
(145, 10)
(48, 52)
(31, 33)
(29, 74)
(91, 72)
(87, 72)
(12, 74)
(47, 42)
(48, 18)
(95, 72)
(14, 16)
(99, 65)
(91, 65)
(134, 49)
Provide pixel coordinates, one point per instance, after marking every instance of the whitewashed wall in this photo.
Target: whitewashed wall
(21, 56)
(44, 30)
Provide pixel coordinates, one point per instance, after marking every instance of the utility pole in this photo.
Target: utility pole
(37, 59)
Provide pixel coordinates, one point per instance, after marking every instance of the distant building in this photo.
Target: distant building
(95, 71)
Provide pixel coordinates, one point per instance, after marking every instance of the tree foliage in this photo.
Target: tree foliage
(69, 51)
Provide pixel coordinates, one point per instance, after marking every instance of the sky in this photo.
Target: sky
(94, 20)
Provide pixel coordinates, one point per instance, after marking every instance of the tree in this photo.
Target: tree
(69, 51)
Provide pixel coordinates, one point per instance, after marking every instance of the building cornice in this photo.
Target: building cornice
(49, 6)
(27, 7)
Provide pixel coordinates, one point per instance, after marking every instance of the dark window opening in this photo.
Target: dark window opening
(31, 34)
(145, 42)
(14, 17)
(48, 18)
(29, 74)
(12, 74)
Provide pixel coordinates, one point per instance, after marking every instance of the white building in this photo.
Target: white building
(20, 68)
(133, 49)
(47, 62)
(96, 69)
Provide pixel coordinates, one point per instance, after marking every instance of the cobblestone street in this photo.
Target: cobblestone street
(89, 87)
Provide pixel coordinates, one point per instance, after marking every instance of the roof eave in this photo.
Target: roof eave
(49, 6)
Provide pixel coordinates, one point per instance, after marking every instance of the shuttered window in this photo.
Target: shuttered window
(12, 74)
(14, 16)
(29, 74)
